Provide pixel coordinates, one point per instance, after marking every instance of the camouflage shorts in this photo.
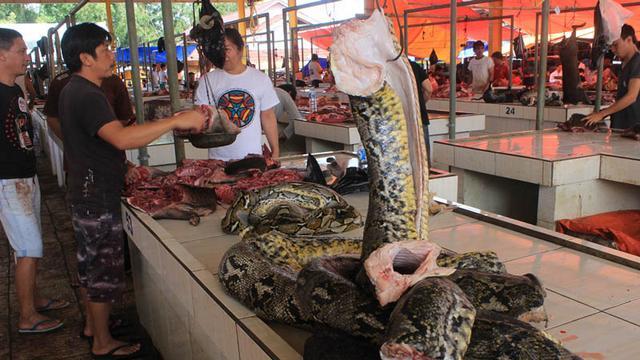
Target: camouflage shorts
(100, 241)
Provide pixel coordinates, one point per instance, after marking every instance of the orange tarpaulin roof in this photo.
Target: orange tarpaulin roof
(423, 39)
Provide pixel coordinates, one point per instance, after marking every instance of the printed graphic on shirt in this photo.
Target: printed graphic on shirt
(239, 106)
(16, 128)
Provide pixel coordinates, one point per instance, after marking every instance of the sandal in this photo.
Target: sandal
(53, 304)
(111, 354)
(34, 329)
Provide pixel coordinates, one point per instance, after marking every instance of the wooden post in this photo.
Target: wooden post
(242, 27)
(495, 28)
(293, 22)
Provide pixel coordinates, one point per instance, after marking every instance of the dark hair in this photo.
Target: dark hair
(7, 37)
(82, 39)
(290, 89)
(233, 35)
(314, 57)
(497, 55)
(627, 30)
(478, 43)
(163, 65)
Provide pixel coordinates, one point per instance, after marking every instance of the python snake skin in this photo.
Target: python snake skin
(284, 271)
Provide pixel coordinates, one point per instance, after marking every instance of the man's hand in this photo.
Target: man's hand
(193, 120)
(593, 118)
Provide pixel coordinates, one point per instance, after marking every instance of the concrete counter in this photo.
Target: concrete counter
(510, 117)
(321, 137)
(593, 304)
(544, 176)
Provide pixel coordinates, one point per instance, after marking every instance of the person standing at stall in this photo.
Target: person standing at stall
(625, 111)
(94, 143)
(315, 71)
(162, 76)
(246, 95)
(19, 188)
(481, 68)
(113, 87)
(500, 70)
(424, 93)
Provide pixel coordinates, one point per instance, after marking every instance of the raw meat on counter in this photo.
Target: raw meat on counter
(576, 123)
(462, 90)
(331, 115)
(193, 189)
(179, 201)
(632, 132)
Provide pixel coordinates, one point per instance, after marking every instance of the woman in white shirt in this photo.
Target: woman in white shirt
(247, 97)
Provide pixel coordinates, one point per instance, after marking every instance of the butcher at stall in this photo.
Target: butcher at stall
(247, 96)
(482, 69)
(625, 111)
(287, 110)
(500, 70)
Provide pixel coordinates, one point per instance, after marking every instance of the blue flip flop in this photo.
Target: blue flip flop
(34, 329)
(51, 305)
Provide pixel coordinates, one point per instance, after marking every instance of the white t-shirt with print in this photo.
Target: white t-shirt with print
(480, 69)
(243, 97)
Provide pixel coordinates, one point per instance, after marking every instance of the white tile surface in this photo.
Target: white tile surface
(448, 220)
(600, 336)
(562, 310)
(275, 341)
(587, 279)
(620, 170)
(249, 350)
(182, 231)
(212, 284)
(519, 168)
(442, 153)
(212, 327)
(576, 170)
(480, 161)
(178, 287)
(629, 311)
(210, 251)
(478, 236)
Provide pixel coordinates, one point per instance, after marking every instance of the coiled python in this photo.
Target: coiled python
(319, 282)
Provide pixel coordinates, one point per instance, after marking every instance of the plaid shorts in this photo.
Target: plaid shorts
(100, 241)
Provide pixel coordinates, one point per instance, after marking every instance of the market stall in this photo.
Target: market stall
(544, 176)
(512, 116)
(183, 306)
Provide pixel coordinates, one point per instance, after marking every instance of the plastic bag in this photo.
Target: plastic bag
(613, 16)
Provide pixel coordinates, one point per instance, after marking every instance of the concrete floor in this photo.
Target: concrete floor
(56, 278)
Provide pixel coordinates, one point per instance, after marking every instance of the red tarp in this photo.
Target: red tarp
(621, 227)
(423, 39)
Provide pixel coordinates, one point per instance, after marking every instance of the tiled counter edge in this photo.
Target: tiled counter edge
(182, 306)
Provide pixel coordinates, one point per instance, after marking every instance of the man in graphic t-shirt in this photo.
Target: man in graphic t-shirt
(248, 98)
(19, 189)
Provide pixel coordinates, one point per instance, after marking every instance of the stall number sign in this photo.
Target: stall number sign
(510, 110)
(128, 224)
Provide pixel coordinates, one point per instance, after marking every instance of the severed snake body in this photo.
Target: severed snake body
(392, 288)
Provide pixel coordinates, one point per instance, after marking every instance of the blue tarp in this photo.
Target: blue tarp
(305, 69)
(123, 54)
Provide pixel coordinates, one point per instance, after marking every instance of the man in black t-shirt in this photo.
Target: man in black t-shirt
(625, 112)
(19, 189)
(94, 141)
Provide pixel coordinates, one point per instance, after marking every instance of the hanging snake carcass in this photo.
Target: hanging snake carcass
(392, 287)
